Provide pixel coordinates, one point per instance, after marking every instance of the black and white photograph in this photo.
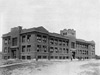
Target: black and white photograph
(49, 37)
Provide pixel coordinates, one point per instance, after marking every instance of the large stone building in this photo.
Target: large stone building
(39, 43)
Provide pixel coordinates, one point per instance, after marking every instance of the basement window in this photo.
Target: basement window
(23, 57)
(28, 57)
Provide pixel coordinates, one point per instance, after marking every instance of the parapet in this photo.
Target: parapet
(68, 32)
(19, 28)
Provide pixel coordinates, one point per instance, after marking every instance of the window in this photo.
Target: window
(56, 49)
(67, 57)
(56, 42)
(60, 42)
(44, 39)
(39, 57)
(60, 50)
(39, 38)
(63, 43)
(72, 44)
(93, 52)
(67, 42)
(87, 52)
(60, 57)
(65, 33)
(52, 57)
(64, 49)
(5, 41)
(23, 38)
(45, 48)
(56, 57)
(28, 37)
(28, 57)
(14, 41)
(8, 49)
(44, 57)
(28, 48)
(8, 57)
(63, 57)
(23, 48)
(51, 41)
(23, 57)
(5, 57)
(67, 50)
(5, 50)
(86, 46)
(38, 48)
(51, 49)
(8, 40)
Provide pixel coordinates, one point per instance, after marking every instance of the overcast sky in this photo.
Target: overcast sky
(54, 15)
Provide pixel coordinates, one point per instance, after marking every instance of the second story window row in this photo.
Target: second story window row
(84, 52)
(45, 49)
(58, 50)
(26, 48)
(41, 48)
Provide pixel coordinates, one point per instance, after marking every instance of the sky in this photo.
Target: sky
(55, 15)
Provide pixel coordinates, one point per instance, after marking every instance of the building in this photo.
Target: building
(39, 43)
(0, 55)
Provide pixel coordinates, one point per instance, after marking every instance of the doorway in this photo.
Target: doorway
(13, 53)
(73, 54)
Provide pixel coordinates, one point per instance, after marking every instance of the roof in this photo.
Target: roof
(89, 42)
(5, 35)
(58, 35)
(38, 29)
(41, 29)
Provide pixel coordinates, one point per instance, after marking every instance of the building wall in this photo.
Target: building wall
(82, 50)
(60, 48)
(29, 44)
(40, 45)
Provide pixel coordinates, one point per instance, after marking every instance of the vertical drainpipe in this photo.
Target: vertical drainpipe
(2, 48)
(48, 47)
(19, 49)
(35, 46)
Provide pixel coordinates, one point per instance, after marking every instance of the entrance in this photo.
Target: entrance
(13, 53)
(73, 54)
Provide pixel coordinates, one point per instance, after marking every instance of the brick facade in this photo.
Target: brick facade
(38, 43)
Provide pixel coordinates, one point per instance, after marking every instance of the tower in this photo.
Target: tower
(69, 32)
